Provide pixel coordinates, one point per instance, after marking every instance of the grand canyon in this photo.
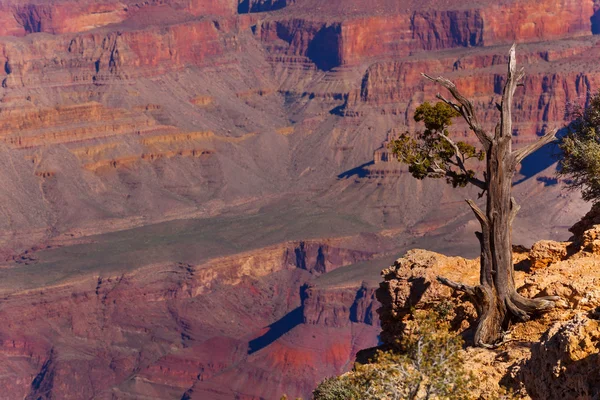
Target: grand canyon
(197, 199)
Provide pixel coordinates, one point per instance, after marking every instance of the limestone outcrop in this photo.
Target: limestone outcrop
(553, 356)
(564, 364)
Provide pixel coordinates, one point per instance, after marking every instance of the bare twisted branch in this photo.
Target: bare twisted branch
(520, 154)
(513, 80)
(483, 220)
(464, 107)
(461, 287)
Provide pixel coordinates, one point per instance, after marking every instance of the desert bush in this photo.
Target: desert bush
(580, 150)
(429, 365)
(336, 388)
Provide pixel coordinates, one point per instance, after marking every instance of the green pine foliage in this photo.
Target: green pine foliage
(580, 161)
(337, 388)
(431, 152)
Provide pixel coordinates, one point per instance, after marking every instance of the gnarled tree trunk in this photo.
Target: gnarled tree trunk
(496, 298)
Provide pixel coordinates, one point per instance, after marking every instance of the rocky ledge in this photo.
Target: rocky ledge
(553, 356)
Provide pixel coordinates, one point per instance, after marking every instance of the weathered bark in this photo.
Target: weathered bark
(496, 299)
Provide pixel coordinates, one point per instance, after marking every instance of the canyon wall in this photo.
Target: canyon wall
(163, 330)
(356, 39)
(22, 18)
(552, 83)
(264, 115)
(103, 88)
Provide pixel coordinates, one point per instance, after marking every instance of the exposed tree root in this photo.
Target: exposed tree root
(493, 313)
(532, 306)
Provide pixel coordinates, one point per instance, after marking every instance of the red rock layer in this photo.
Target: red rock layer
(338, 307)
(356, 39)
(162, 330)
(552, 82)
(57, 17)
(96, 57)
(337, 323)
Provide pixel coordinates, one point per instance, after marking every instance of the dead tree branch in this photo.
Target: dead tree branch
(520, 154)
(464, 107)
(461, 287)
(483, 220)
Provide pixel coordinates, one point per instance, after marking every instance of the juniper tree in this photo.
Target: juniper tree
(434, 154)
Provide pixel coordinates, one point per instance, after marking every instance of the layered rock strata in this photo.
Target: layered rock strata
(164, 330)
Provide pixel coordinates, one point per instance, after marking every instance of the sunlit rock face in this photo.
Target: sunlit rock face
(551, 356)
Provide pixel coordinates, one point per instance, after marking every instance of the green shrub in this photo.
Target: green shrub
(580, 161)
(336, 388)
(429, 366)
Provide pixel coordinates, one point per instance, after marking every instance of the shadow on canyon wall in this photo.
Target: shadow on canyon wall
(277, 330)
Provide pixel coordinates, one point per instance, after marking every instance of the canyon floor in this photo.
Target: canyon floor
(196, 196)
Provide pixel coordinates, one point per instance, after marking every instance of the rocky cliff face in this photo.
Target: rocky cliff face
(552, 83)
(163, 330)
(551, 357)
(93, 58)
(564, 362)
(362, 34)
(339, 307)
(65, 16)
